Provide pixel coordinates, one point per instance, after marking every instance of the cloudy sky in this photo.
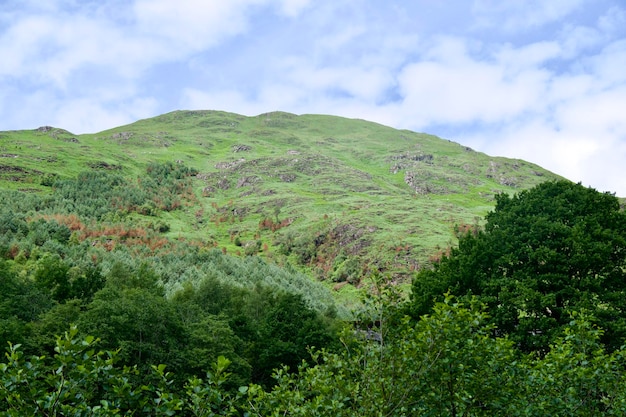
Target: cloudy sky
(540, 80)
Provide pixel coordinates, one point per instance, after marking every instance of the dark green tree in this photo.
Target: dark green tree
(21, 302)
(78, 380)
(208, 335)
(41, 334)
(287, 328)
(131, 313)
(144, 325)
(51, 274)
(444, 365)
(545, 252)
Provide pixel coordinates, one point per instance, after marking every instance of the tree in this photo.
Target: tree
(52, 274)
(446, 364)
(80, 381)
(286, 327)
(143, 324)
(21, 302)
(577, 377)
(545, 252)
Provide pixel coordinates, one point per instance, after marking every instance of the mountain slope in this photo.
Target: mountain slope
(336, 195)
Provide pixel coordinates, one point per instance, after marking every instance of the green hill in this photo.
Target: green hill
(336, 196)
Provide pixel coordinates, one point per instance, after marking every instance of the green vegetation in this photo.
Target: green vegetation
(91, 253)
(543, 254)
(194, 263)
(301, 189)
(447, 364)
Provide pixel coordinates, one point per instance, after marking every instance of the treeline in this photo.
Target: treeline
(257, 328)
(79, 257)
(446, 364)
(525, 317)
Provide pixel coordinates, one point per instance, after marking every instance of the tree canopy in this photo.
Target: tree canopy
(546, 270)
(447, 364)
(544, 252)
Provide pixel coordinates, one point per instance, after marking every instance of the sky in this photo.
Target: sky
(539, 80)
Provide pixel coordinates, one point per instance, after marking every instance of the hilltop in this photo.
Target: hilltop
(338, 197)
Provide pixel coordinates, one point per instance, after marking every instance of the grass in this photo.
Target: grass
(321, 174)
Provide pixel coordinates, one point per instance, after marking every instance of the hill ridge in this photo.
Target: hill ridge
(338, 196)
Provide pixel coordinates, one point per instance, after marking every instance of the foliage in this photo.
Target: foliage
(286, 329)
(545, 252)
(79, 381)
(576, 377)
(140, 322)
(126, 250)
(210, 176)
(272, 328)
(21, 303)
(122, 299)
(447, 364)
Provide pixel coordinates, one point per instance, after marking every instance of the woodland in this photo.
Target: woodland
(104, 313)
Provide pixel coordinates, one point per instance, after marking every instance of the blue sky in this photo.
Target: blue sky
(543, 81)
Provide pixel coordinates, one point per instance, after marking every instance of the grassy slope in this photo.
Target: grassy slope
(388, 196)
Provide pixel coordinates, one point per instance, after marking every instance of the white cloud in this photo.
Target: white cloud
(609, 65)
(196, 99)
(613, 21)
(340, 39)
(367, 84)
(594, 158)
(92, 114)
(191, 24)
(293, 8)
(579, 132)
(528, 56)
(604, 169)
(20, 44)
(576, 39)
(521, 15)
(568, 87)
(50, 47)
(595, 114)
(456, 88)
(87, 114)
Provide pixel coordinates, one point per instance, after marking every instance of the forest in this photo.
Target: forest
(103, 315)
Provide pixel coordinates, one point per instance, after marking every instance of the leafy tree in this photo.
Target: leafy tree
(80, 381)
(21, 302)
(287, 328)
(444, 365)
(208, 336)
(52, 274)
(556, 248)
(208, 398)
(143, 324)
(123, 276)
(577, 377)
(85, 281)
(41, 334)
(269, 328)
(447, 364)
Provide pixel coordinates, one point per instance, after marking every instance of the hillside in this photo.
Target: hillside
(336, 196)
(121, 294)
